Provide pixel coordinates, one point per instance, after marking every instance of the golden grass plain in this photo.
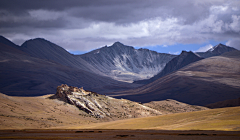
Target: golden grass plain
(226, 119)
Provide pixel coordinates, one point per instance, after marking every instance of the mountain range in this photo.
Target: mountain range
(38, 66)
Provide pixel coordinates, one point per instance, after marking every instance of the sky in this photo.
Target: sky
(167, 26)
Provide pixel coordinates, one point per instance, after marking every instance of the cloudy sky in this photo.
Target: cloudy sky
(162, 25)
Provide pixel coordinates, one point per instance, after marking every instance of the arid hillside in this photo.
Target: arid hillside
(55, 111)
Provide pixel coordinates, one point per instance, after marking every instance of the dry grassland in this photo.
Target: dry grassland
(227, 119)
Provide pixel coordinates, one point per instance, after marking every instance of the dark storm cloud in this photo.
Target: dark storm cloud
(87, 24)
(122, 11)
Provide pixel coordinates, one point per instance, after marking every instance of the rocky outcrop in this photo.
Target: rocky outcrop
(101, 106)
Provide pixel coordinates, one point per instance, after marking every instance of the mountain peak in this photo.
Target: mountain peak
(221, 48)
(118, 44)
(36, 40)
(39, 39)
(216, 50)
(218, 46)
(185, 53)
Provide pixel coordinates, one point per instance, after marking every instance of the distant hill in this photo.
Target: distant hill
(226, 103)
(200, 83)
(125, 63)
(176, 63)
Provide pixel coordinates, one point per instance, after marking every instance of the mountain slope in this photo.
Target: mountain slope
(125, 63)
(176, 63)
(203, 82)
(216, 50)
(24, 75)
(44, 49)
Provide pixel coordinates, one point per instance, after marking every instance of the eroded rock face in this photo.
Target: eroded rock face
(101, 106)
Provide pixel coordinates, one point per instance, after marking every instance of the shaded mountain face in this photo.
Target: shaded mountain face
(44, 49)
(176, 63)
(125, 63)
(21, 74)
(215, 51)
(200, 83)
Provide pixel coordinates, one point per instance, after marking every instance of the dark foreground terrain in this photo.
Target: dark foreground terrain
(120, 134)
